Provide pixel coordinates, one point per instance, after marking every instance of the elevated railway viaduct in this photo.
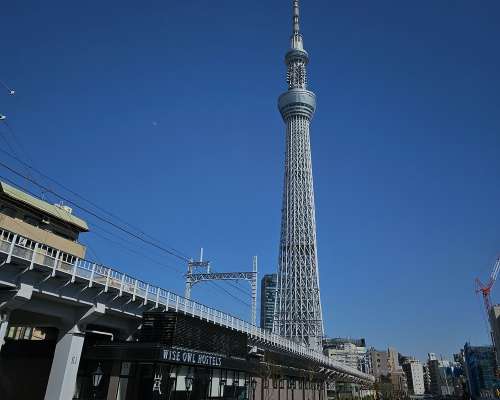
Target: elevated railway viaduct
(82, 298)
(95, 341)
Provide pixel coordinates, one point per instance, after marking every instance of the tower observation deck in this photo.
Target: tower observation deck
(297, 312)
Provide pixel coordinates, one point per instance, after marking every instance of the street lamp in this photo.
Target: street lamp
(189, 382)
(253, 384)
(235, 385)
(96, 378)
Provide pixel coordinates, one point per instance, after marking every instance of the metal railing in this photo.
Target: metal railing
(35, 253)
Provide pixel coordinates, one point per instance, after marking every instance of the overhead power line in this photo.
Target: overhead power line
(90, 212)
(112, 224)
(152, 241)
(30, 167)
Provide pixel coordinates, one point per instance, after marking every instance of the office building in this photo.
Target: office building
(480, 371)
(414, 376)
(267, 299)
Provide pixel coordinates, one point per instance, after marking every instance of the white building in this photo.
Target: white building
(352, 353)
(415, 376)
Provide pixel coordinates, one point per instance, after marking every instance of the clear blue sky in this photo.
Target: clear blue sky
(165, 113)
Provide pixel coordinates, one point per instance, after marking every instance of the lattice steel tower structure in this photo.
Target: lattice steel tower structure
(297, 312)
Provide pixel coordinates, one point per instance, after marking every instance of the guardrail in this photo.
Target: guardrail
(35, 253)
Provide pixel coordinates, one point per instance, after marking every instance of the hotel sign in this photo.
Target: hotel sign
(191, 357)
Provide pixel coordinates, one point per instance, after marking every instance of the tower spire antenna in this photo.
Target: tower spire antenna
(296, 39)
(296, 15)
(297, 309)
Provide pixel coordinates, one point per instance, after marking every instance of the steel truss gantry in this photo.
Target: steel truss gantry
(193, 277)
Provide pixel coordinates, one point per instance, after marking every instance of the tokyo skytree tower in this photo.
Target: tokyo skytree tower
(297, 311)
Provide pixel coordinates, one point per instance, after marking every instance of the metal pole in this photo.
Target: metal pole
(187, 290)
(254, 291)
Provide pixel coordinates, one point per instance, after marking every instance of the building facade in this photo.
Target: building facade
(414, 372)
(494, 317)
(30, 217)
(446, 377)
(352, 352)
(390, 378)
(267, 300)
(379, 360)
(427, 378)
(480, 371)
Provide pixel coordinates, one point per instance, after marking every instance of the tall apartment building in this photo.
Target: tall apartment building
(267, 299)
(352, 352)
(480, 371)
(495, 331)
(386, 369)
(445, 376)
(379, 362)
(393, 359)
(427, 379)
(414, 372)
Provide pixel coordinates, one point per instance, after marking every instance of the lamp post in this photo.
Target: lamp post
(96, 379)
(188, 380)
(253, 384)
(235, 385)
(222, 383)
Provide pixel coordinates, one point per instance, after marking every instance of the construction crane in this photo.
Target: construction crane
(485, 289)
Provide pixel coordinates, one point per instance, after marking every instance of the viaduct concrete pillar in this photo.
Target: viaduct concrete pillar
(62, 378)
(64, 370)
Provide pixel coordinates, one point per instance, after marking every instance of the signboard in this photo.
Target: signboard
(191, 357)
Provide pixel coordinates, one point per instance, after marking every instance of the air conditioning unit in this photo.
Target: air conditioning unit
(68, 209)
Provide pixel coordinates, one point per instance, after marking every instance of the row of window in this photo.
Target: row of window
(292, 384)
(35, 221)
(27, 333)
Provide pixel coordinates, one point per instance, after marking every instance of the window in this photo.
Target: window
(31, 220)
(67, 258)
(10, 211)
(62, 234)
